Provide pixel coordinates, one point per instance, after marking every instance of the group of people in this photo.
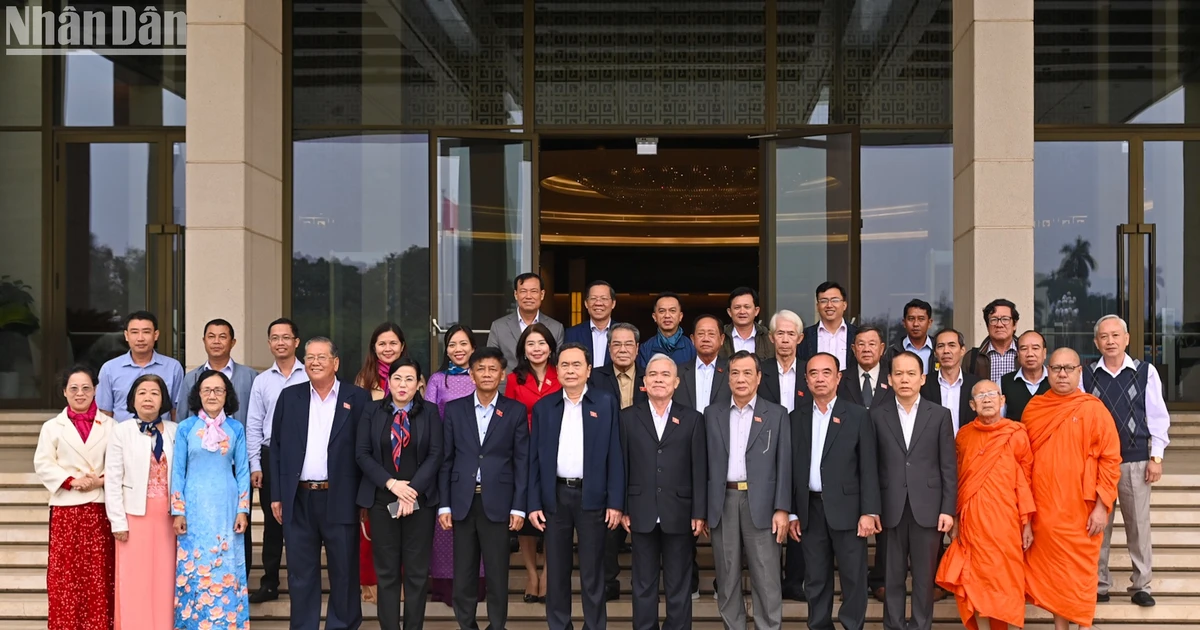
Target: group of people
(777, 442)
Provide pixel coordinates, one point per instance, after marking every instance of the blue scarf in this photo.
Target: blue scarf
(668, 344)
(154, 430)
(454, 370)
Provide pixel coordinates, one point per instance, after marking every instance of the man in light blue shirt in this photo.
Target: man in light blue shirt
(219, 341)
(117, 375)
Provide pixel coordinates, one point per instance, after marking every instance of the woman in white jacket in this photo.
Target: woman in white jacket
(138, 493)
(69, 460)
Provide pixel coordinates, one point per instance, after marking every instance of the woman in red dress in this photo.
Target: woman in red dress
(532, 379)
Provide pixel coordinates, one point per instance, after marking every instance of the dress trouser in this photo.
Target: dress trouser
(568, 520)
(476, 536)
(735, 532)
(671, 553)
(402, 549)
(793, 573)
(909, 544)
(612, 565)
(272, 542)
(821, 546)
(877, 577)
(308, 530)
(1133, 496)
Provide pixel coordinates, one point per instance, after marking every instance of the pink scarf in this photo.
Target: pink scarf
(382, 369)
(213, 433)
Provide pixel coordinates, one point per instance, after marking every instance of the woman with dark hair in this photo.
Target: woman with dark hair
(210, 499)
(137, 498)
(400, 453)
(69, 461)
(450, 383)
(533, 379)
(385, 346)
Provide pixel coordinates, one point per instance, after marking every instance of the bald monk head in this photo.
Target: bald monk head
(1065, 371)
(986, 400)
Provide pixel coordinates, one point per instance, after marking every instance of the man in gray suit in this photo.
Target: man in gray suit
(918, 478)
(529, 292)
(749, 495)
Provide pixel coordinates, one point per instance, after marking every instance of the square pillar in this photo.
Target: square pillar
(234, 238)
(993, 159)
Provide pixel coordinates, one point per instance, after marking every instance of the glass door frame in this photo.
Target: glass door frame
(768, 146)
(438, 328)
(161, 269)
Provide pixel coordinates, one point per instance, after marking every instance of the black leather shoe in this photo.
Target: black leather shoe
(794, 594)
(1102, 597)
(1143, 599)
(264, 594)
(612, 594)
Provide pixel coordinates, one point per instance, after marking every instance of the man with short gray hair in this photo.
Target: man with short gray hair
(1133, 393)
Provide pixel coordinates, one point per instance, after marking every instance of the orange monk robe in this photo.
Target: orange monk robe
(1076, 458)
(985, 567)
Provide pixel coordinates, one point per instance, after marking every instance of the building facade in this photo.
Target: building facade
(347, 162)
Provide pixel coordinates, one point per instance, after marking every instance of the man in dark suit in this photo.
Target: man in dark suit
(705, 380)
(835, 496)
(666, 506)
(864, 382)
(1030, 379)
(576, 486)
(600, 300)
(313, 460)
(950, 386)
(486, 446)
(749, 494)
(832, 334)
(918, 476)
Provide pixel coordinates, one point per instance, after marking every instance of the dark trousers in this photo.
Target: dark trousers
(670, 553)
(476, 536)
(909, 544)
(793, 568)
(612, 564)
(822, 545)
(272, 542)
(567, 521)
(308, 530)
(877, 578)
(402, 547)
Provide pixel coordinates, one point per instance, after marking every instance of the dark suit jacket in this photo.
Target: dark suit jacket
(1016, 394)
(849, 474)
(768, 462)
(426, 443)
(808, 346)
(924, 473)
(603, 466)
(932, 391)
(582, 333)
(666, 478)
(898, 347)
(851, 387)
(604, 378)
(289, 443)
(768, 387)
(502, 460)
(685, 394)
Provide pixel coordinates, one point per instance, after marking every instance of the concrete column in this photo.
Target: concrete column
(993, 159)
(234, 251)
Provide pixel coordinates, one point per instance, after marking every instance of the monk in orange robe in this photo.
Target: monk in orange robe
(984, 567)
(1076, 465)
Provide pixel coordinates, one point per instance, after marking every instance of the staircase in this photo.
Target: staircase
(1175, 515)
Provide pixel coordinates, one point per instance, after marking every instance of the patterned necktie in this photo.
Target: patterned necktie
(867, 392)
(400, 436)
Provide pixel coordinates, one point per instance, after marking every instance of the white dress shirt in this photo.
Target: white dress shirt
(874, 372)
(740, 344)
(907, 420)
(1158, 420)
(704, 380)
(787, 385)
(570, 438)
(820, 427)
(739, 438)
(600, 343)
(952, 396)
(1033, 386)
(320, 424)
(660, 422)
(260, 414)
(521, 320)
(833, 342)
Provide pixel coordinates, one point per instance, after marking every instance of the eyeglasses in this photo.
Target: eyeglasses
(617, 345)
(1063, 369)
(317, 359)
(987, 395)
(281, 338)
(1000, 321)
(212, 391)
(833, 301)
(599, 299)
(86, 389)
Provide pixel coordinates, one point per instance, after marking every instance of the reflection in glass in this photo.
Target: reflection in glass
(110, 194)
(413, 62)
(1172, 203)
(485, 230)
(813, 205)
(122, 91)
(1080, 197)
(21, 309)
(20, 90)
(907, 228)
(361, 239)
(687, 62)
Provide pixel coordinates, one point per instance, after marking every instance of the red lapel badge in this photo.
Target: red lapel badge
(720, 370)
(883, 386)
(757, 419)
(800, 393)
(499, 414)
(675, 420)
(346, 405)
(641, 389)
(837, 420)
(593, 414)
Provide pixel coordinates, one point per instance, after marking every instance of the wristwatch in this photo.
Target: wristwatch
(1156, 460)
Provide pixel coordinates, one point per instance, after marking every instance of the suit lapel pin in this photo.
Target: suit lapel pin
(346, 405)
(800, 393)
(593, 414)
(757, 419)
(499, 414)
(883, 386)
(641, 389)
(720, 370)
(837, 420)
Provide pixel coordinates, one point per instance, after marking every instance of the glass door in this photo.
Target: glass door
(483, 204)
(811, 223)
